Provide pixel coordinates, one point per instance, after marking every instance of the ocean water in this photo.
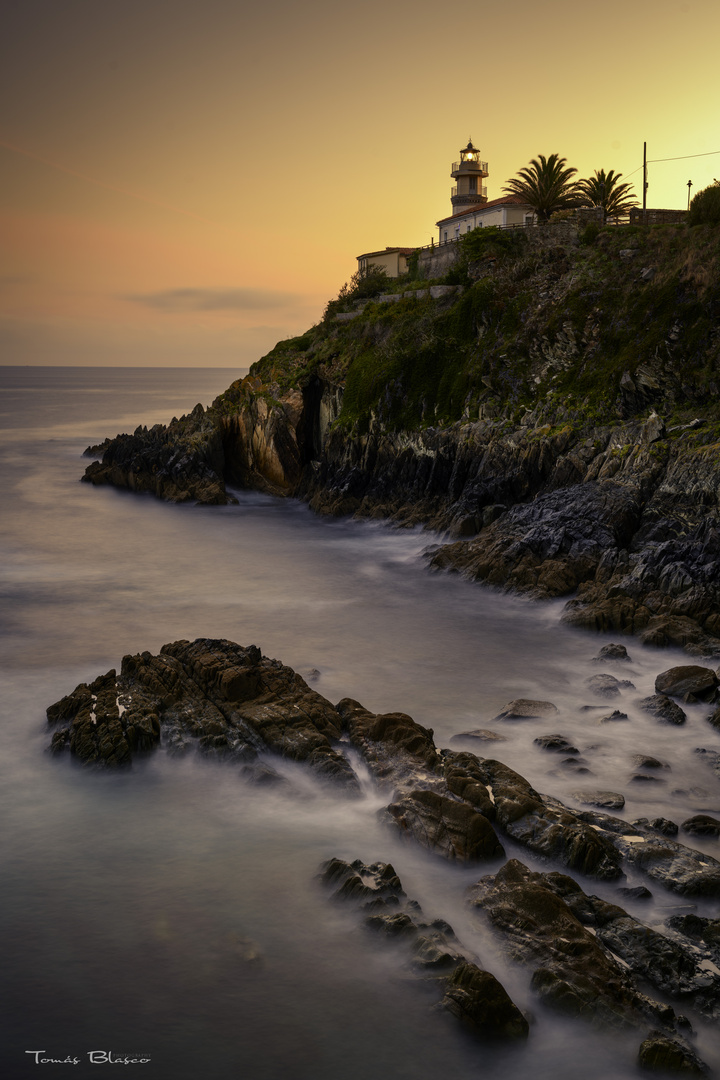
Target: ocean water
(171, 913)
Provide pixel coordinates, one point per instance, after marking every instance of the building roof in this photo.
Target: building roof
(388, 251)
(506, 200)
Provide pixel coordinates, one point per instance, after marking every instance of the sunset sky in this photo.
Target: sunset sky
(184, 182)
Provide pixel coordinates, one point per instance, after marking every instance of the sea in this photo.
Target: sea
(169, 918)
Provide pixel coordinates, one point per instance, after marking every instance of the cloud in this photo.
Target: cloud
(184, 300)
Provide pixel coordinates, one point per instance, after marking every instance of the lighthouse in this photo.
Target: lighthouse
(469, 172)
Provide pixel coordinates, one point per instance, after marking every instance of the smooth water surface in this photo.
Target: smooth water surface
(171, 912)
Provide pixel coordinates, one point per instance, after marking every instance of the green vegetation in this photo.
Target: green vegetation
(546, 185)
(705, 207)
(604, 190)
(583, 334)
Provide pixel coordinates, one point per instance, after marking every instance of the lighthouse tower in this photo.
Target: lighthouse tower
(469, 172)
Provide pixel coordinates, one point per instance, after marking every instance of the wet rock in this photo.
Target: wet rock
(714, 719)
(659, 824)
(610, 800)
(611, 652)
(645, 761)
(702, 825)
(471, 994)
(446, 826)
(679, 868)
(606, 685)
(661, 1054)
(526, 709)
(478, 735)
(689, 683)
(394, 747)
(211, 694)
(711, 758)
(477, 999)
(611, 717)
(698, 929)
(557, 743)
(545, 826)
(637, 892)
(539, 917)
(661, 706)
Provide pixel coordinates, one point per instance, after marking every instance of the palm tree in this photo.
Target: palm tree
(604, 191)
(546, 185)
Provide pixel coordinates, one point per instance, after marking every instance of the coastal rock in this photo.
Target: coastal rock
(661, 1054)
(702, 825)
(663, 707)
(689, 683)
(396, 749)
(556, 743)
(612, 652)
(452, 829)
(607, 685)
(212, 694)
(545, 826)
(538, 917)
(478, 735)
(526, 709)
(609, 800)
(471, 994)
(477, 999)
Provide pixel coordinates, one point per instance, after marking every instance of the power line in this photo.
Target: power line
(685, 157)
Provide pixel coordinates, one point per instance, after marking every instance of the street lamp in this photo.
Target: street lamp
(689, 185)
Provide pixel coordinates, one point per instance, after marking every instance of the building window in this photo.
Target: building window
(473, 185)
(445, 236)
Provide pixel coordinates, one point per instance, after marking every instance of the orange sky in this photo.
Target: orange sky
(184, 182)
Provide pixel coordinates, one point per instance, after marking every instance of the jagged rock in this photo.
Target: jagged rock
(645, 761)
(661, 706)
(451, 828)
(659, 1053)
(611, 717)
(661, 825)
(471, 994)
(689, 683)
(477, 999)
(539, 918)
(714, 719)
(395, 748)
(611, 652)
(526, 709)
(478, 735)
(638, 892)
(556, 743)
(211, 693)
(702, 825)
(545, 826)
(711, 758)
(607, 685)
(610, 800)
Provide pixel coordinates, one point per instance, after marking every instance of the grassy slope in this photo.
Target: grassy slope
(551, 329)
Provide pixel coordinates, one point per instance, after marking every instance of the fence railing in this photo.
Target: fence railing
(470, 166)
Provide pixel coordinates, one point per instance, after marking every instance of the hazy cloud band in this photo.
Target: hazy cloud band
(183, 300)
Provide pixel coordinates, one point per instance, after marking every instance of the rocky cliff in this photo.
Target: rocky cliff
(553, 409)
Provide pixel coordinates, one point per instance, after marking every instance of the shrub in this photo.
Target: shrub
(705, 207)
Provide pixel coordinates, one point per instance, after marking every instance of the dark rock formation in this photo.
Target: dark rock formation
(540, 918)
(526, 709)
(612, 652)
(451, 828)
(702, 825)
(667, 1056)
(663, 708)
(224, 699)
(609, 800)
(557, 743)
(471, 994)
(689, 683)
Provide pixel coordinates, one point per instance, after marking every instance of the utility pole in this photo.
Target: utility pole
(645, 183)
